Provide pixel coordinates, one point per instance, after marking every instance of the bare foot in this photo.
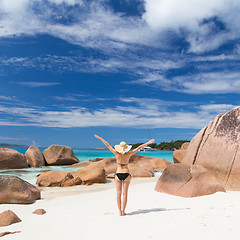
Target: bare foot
(120, 213)
(123, 213)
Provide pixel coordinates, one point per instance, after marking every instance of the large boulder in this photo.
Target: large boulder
(15, 190)
(57, 179)
(8, 217)
(34, 157)
(59, 155)
(178, 155)
(149, 163)
(10, 159)
(138, 171)
(216, 147)
(188, 181)
(109, 165)
(91, 174)
(185, 146)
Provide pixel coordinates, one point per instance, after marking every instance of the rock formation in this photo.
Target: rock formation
(39, 211)
(91, 174)
(10, 159)
(95, 159)
(108, 164)
(6, 233)
(216, 147)
(187, 181)
(178, 155)
(34, 157)
(15, 190)
(8, 217)
(57, 179)
(150, 164)
(80, 164)
(59, 155)
(138, 171)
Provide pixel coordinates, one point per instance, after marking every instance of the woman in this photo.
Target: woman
(122, 177)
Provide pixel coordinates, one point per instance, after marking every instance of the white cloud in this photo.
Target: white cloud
(133, 112)
(38, 84)
(117, 63)
(73, 97)
(68, 2)
(211, 78)
(12, 100)
(122, 39)
(216, 108)
(213, 82)
(7, 98)
(198, 21)
(11, 138)
(94, 24)
(174, 14)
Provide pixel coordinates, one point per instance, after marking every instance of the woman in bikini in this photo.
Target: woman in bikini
(122, 177)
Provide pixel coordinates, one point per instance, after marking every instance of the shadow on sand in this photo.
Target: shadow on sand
(144, 211)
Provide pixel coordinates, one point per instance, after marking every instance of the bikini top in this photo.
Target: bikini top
(122, 165)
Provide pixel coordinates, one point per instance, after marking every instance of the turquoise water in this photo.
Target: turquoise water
(86, 154)
(30, 174)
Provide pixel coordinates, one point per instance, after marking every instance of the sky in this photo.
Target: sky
(123, 69)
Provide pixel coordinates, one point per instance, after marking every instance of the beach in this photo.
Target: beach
(90, 212)
(98, 91)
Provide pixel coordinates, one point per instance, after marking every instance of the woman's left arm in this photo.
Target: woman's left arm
(107, 144)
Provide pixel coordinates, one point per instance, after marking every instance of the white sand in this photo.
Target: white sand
(151, 215)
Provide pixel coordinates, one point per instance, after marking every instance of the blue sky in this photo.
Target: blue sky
(126, 70)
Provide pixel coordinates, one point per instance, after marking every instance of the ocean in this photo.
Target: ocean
(30, 174)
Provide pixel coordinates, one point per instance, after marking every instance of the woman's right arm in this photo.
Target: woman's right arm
(107, 144)
(141, 146)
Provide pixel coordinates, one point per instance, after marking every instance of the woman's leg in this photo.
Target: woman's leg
(126, 183)
(119, 193)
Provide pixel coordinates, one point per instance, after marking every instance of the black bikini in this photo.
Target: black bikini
(122, 176)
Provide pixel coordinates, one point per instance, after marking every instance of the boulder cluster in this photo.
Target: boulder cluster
(96, 171)
(54, 155)
(210, 163)
(16, 190)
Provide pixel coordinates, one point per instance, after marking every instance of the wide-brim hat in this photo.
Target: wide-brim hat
(122, 147)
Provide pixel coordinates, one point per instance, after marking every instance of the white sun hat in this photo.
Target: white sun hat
(122, 147)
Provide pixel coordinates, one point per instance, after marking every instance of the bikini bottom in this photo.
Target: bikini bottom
(122, 176)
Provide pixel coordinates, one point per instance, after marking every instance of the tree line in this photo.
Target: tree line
(173, 145)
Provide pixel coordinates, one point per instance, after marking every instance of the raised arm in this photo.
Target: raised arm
(107, 144)
(141, 146)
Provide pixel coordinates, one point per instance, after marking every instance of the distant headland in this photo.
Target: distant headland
(173, 145)
(12, 145)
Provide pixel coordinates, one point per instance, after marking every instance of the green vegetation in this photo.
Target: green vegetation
(164, 145)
